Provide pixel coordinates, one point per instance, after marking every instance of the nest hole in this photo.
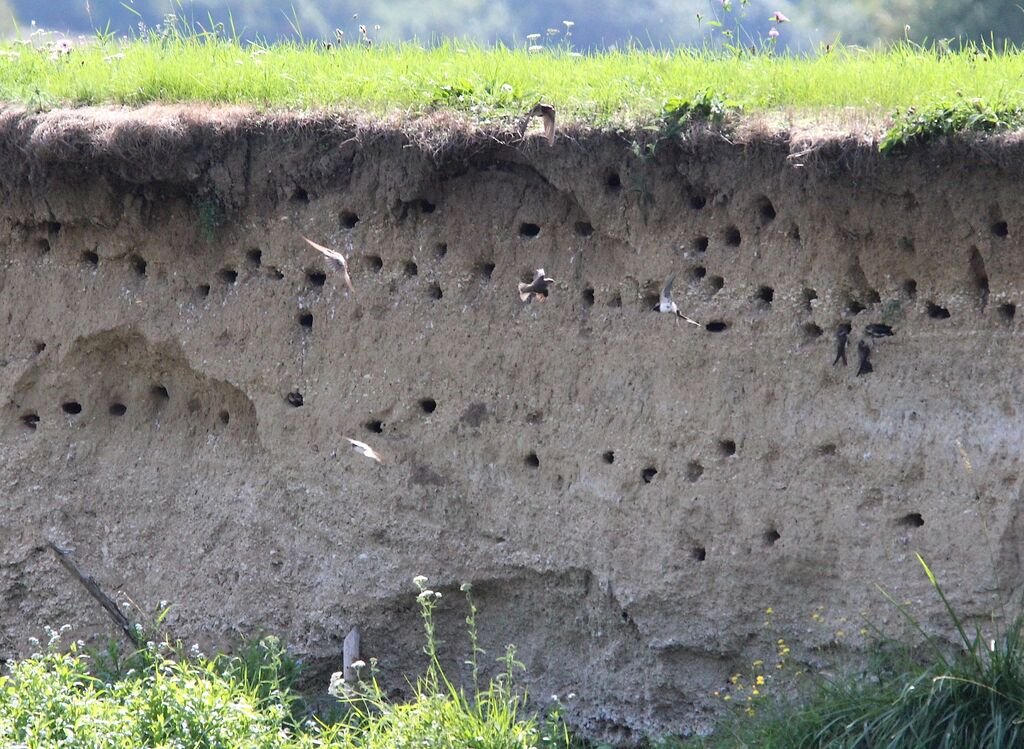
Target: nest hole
(117, 409)
(873, 297)
(697, 202)
(588, 297)
(613, 181)
(224, 417)
(766, 210)
(295, 399)
(808, 296)
(1007, 311)
(275, 273)
(771, 536)
(694, 470)
(441, 250)
(615, 300)
(90, 258)
(529, 230)
(717, 326)
(699, 244)
(71, 407)
(827, 450)
(300, 196)
(139, 265)
(648, 474)
(39, 347)
(425, 206)
(306, 320)
(411, 269)
(812, 331)
(937, 311)
(910, 288)
(584, 228)
(486, 270)
(726, 448)
(765, 295)
(203, 290)
(43, 245)
(428, 405)
(1000, 229)
(160, 393)
(374, 425)
(29, 420)
(698, 553)
(375, 263)
(316, 278)
(348, 220)
(434, 291)
(608, 456)
(698, 272)
(854, 307)
(228, 275)
(531, 460)
(717, 283)
(912, 520)
(794, 233)
(733, 238)
(254, 258)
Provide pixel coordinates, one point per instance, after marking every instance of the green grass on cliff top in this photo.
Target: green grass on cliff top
(627, 86)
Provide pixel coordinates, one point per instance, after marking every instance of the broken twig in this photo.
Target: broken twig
(94, 590)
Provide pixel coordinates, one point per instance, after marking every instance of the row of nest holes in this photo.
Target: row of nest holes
(694, 469)
(772, 536)
(426, 405)
(158, 393)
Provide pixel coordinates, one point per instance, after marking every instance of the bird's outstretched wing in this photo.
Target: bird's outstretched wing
(547, 114)
(364, 449)
(338, 259)
(666, 293)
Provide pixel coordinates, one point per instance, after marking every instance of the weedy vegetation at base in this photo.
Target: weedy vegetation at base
(165, 696)
(908, 697)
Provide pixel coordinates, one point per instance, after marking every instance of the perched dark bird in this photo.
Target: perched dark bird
(842, 333)
(865, 352)
(336, 260)
(667, 305)
(878, 330)
(537, 289)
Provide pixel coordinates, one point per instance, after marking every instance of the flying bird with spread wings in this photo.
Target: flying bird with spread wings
(547, 114)
(666, 304)
(537, 289)
(335, 259)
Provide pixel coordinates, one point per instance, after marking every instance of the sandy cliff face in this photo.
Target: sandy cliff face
(626, 492)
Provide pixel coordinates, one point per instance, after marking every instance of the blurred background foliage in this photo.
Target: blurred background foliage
(598, 23)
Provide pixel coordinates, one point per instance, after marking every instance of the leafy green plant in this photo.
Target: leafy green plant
(919, 125)
(439, 713)
(705, 106)
(924, 696)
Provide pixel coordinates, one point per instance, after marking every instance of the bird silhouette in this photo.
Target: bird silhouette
(865, 364)
(842, 334)
(666, 304)
(878, 330)
(537, 289)
(363, 449)
(335, 259)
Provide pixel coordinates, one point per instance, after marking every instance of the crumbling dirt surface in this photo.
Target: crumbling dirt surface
(627, 492)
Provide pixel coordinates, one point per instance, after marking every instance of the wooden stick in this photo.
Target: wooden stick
(349, 655)
(94, 590)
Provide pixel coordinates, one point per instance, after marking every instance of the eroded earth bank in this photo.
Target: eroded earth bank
(627, 492)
